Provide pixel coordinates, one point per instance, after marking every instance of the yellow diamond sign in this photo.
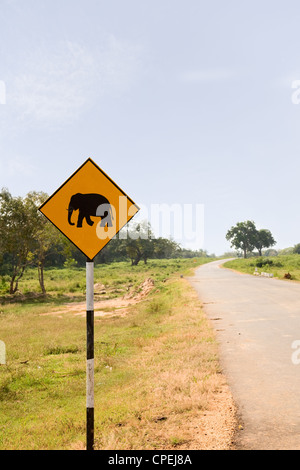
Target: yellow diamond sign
(89, 209)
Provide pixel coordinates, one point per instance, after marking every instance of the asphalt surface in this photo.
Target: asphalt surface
(257, 321)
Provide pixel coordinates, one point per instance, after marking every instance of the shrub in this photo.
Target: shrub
(70, 263)
(296, 249)
(260, 262)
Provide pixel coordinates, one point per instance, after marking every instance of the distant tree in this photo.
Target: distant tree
(115, 250)
(296, 249)
(243, 236)
(271, 252)
(188, 253)
(231, 254)
(140, 242)
(286, 251)
(165, 248)
(263, 239)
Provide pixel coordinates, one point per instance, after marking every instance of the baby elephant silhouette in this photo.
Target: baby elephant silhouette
(90, 205)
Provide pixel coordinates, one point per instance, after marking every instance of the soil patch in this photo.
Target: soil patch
(109, 307)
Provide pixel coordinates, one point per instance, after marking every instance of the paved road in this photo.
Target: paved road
(257, 320)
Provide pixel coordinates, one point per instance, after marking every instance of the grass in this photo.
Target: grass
(279, 266)
(117, 278)
(155, 368)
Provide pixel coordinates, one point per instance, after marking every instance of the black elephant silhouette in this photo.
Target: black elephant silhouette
(90, 205)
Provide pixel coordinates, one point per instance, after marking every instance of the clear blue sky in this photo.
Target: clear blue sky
(178, 101)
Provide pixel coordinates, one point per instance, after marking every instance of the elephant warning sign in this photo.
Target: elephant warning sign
(89, 209)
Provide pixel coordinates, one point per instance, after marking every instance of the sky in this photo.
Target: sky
(188, 103)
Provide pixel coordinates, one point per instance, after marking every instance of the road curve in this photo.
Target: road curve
(257, 320)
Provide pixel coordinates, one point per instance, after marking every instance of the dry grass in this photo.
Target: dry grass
(180, 399)
(158, 383)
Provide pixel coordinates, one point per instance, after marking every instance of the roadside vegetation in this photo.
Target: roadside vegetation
(245, 238)
(281, 266)
(29, 240)
(158, 383)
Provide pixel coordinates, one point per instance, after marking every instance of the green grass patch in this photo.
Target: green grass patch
(69, 283)
(279, 266)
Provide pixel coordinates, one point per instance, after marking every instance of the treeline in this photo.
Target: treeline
(28, 239)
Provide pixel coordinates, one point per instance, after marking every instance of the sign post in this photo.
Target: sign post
(89, 209)
(89, 355)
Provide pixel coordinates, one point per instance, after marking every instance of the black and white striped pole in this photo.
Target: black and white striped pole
(90, 354)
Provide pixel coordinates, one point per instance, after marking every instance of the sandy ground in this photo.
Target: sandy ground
(108, 307)
(217, 427)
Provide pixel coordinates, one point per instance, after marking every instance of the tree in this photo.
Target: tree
(140, 242)
(271, 252)
(264, 239)
(243, 236)
(188, 253)
(115, 250)
(44, 234)
(16, 237)
(164, 248)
